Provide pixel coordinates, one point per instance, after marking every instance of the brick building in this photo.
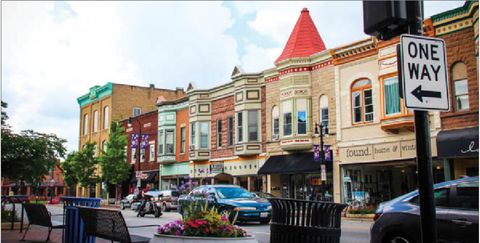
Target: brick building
(228, 132)
(173, 143)
(300, 93)
(458, 141)
(113, 102)
(141, 132)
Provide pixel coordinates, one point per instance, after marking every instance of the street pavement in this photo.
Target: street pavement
(352, 230)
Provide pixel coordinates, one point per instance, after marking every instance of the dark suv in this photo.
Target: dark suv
(231, 199)
(168, 200)
(456, 203)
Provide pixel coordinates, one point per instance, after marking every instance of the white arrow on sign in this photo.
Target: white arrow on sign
(424, 73)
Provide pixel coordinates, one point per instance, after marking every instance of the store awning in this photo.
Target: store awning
(291, 164)
(458, 143)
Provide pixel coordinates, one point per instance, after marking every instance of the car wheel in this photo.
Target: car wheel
(164, 207)
(122, 206)
(264, 221)
(399, 238)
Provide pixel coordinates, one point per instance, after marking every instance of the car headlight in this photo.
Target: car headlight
(269, 208)
(245, 209)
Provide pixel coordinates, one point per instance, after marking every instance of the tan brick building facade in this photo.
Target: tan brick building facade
(113, 102)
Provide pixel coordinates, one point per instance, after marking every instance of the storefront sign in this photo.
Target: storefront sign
(216, 167)
(323, 173)
(315, 181)
(380, 152)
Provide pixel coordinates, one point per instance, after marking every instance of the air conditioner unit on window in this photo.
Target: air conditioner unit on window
(191, 147)
(275, 137)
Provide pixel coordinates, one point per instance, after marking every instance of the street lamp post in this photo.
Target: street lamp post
(323, 172)
(138, 147)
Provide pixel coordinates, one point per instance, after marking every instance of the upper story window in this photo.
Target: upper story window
(362, 104)
(85, 124)
(95, 121)
(219, 133)
(104, 146)
(193, 140)
(169, 142)
(391, 96)
(239, 127)
(287, 117)
(137, 111)
(161, 141)
(106, 117)
(253, 125)
(204, 135)
(183, 139)
(230, 131)
(151, 154)
(142, 154)
(460, 86)
(324, 110)
(275, 123)
(301, 116)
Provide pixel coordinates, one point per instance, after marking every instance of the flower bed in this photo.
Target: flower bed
(202, 223)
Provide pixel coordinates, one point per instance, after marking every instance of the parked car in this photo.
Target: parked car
(231, 199)
(263, 194)
(127, 201)
(168, 200)
(456, 203)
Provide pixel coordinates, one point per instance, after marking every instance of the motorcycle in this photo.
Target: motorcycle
(151, 207)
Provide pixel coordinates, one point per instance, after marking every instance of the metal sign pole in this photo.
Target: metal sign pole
(423, 146)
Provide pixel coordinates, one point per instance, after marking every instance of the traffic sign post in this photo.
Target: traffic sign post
(424, 73)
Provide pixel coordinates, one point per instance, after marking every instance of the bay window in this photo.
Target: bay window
(301, 116)
(161, 141)
(275, 123)
(169, 142)
(239, 127)
(192, 136)
(230, 131)
(287, 117)
(204, 135)
(253, 125)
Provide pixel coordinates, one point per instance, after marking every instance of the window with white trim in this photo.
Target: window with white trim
(253, 125)
(85, 124)
(106, 117)
(204, 131)
(133, 156)
(301, 116)
(275, 123)
(219, 133)
(324, 110)
(193, 140)
(183, 139)
(362, 104)
(136, 111)
(287, 117)
(169, 142)
(95, 121)
(151, 154)
(239, 127)
(161, 141)
(230, 131)
(460, 87)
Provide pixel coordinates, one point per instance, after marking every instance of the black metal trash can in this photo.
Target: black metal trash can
(305, 221)
(71, 218)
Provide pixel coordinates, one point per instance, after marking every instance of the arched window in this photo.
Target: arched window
(275, 123)
(106, 117)
(85, 124)
(362, 104)
(324, 110)
(460, 86)
(95, 121)
(104, 146)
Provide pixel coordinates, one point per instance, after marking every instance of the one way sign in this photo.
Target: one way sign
(424, 73)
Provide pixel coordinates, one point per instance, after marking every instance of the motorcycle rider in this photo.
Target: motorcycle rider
(144, 199)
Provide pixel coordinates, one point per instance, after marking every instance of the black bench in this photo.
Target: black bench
(108, 224)
(38, 214)
(305, 221)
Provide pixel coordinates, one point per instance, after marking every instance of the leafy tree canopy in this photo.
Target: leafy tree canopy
(113, 161)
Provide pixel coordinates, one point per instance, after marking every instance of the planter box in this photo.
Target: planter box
(360, 216)
(157, 238)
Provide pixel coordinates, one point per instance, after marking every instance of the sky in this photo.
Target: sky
(53, 52)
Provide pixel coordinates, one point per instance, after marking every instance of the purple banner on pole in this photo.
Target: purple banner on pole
(134, 139)
(328, 152)
(316, 152)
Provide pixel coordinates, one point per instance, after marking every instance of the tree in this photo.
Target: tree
(29, 156)
(113, 161)
(80, 166)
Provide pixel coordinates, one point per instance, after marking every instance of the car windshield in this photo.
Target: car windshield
(233, 192)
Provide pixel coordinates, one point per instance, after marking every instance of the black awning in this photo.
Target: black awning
(292, 163)
(458, 143)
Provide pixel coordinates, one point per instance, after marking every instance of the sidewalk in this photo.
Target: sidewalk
(36, 234)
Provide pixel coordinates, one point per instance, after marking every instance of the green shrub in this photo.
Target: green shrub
(7, 216)
(362, 211)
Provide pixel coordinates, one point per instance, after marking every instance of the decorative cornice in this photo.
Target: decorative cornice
(96, 93)
(355, 51)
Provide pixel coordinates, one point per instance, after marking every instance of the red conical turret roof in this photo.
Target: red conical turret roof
(304, 39)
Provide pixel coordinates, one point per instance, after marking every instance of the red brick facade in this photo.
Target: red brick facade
(149, 125)
(182, 122)
(461, 48)
(221, 110)
(264, 118)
